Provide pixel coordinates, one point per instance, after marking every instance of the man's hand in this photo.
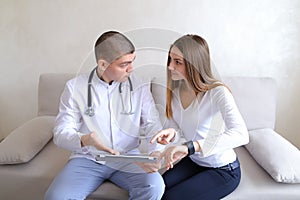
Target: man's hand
(92, 139)
(151, 167)
(164, 136)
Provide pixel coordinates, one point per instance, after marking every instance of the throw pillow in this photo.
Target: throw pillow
(22, 144)
(275, 154)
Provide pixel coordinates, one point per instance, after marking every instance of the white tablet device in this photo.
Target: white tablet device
(126, 158)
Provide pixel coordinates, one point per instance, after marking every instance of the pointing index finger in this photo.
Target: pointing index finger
(155, 138)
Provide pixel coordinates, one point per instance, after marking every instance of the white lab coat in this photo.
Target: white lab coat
(115, 130)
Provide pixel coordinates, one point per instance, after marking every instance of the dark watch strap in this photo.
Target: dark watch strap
(190, 146)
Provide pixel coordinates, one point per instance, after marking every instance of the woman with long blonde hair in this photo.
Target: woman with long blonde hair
(205, 166)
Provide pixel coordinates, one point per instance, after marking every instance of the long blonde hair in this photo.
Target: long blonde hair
(197, 61)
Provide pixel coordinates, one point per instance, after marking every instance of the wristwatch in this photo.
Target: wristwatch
(190, 146)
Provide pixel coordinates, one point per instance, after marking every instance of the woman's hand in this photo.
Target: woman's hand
(92, 139)
(164, 136)
(174, 154)
(151, 167)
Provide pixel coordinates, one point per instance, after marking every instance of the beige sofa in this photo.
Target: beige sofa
(269, 163)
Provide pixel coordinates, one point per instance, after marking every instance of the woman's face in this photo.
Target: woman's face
(177, 65)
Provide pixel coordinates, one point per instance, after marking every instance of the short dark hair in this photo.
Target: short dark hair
(112, 45)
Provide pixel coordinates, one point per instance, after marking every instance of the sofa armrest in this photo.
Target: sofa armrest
(275, 154)
(22, 144)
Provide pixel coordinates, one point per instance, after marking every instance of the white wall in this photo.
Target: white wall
(246, 37)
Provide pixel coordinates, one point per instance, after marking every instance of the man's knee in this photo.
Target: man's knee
(157, 191)
(149, 192)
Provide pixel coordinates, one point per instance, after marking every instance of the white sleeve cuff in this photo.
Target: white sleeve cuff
(84, 149)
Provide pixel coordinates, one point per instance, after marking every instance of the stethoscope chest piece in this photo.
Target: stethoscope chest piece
(90, 112)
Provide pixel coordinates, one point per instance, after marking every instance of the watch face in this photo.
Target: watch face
(190, 146)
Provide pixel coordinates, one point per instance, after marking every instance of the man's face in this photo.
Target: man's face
(120, 69)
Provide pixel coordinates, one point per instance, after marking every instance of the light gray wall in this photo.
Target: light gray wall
(246, 37)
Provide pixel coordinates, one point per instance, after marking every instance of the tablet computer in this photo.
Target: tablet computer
(126, 158)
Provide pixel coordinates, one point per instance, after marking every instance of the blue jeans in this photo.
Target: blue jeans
(187, 180)
(80, 177)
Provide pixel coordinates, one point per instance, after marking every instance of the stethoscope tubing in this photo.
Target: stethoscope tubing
(90, 110)
(90, 87)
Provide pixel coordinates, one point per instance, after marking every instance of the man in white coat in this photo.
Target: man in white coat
(109, 121)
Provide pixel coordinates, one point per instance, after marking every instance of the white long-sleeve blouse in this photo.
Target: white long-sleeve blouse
(215, 122)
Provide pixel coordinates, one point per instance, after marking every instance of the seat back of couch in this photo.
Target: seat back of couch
(254, 96)
(256, 100)
(51, 85)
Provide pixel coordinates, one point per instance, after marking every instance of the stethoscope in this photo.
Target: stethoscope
(90, 110)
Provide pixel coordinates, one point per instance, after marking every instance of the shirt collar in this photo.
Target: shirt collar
(98, 81)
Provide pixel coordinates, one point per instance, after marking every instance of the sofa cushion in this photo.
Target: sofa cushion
(31, 180)
(257, 184)
(26, 141)
(109, 191)
(275, 154)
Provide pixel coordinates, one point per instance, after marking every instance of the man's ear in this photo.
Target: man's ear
(102, 64)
